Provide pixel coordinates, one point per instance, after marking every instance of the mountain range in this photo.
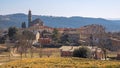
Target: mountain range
(7, 21)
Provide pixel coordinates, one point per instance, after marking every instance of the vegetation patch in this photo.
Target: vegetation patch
(61, 63)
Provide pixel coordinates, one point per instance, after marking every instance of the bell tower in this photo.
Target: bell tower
(29, 18)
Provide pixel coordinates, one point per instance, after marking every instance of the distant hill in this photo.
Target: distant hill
(72, 22)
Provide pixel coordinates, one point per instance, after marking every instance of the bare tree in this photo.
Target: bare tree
(97, 36)
(7, 42)
(103, 41)
(25, 41)
(21, 44)
(30, 37)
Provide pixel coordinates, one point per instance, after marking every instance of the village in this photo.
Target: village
(39, 40)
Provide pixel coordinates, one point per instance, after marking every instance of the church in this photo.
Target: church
(36, 22)
(37, 27)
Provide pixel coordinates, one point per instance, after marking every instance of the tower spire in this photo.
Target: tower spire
(29, 18)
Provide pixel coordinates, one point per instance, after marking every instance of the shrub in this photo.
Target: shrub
(82, 52)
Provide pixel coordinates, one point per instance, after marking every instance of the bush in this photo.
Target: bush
(82, 52)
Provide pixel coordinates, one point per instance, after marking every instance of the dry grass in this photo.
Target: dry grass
(61, 63)
(53, 62)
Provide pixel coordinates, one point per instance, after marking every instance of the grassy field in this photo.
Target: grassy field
(6, 57)
(53, 62)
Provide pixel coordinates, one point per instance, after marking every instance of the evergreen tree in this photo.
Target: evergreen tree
(23, 25)
(12, 31)
(55, 35)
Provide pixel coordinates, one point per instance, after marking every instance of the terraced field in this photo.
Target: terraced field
(61, 63)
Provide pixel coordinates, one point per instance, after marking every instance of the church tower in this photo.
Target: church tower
(29, 18)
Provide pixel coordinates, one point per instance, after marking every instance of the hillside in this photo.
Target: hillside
(73, 22)
(61, 63)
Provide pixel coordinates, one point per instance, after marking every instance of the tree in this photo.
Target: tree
(28, 34)
(25, 41)
(23, 25)
(2, 40)
(21, 44)
(12, 31)
(29, 39)
(8, 47)
(103, 42)
(90, 40)
(97, 36)
(92, 33)
(55, 35)
(64, 39)
(82, 52)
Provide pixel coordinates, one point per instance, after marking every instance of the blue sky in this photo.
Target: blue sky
(85, 8)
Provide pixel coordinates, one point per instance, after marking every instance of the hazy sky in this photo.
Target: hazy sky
(86, 8)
